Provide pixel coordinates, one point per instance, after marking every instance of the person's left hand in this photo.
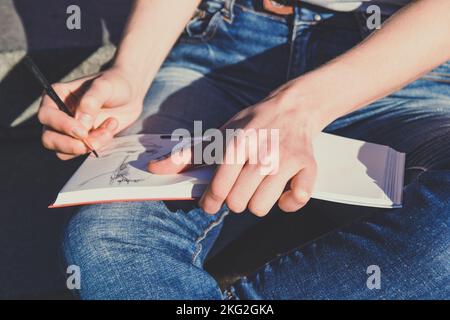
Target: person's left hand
(248, 185)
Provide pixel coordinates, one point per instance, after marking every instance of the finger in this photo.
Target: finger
(177, 162)
(270, 190)
(62, 143)
(103, 134)
(61, 122)
(224, 177)
(67, 145)
(301, 187)
(245, 186)
(64, 156)
(98, 93)
(219, 187)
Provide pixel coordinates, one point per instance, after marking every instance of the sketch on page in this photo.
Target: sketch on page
(122, 174)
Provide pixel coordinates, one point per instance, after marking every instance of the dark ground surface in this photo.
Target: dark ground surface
(30, 234)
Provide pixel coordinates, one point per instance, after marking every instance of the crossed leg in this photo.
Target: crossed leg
(156, 250)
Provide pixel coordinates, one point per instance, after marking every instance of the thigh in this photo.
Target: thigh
(414, 120)
(179, 96)
(143, 250)
(391, 254)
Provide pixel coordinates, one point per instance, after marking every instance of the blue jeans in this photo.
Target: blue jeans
(232, 55)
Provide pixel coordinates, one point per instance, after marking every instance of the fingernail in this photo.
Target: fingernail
(86, 120)
(112, 125)
(80, 132)
(303, 195)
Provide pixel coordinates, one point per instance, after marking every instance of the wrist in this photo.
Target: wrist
(129, 75)
(305, 104)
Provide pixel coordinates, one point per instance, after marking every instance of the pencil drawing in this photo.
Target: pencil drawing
(124, 172)
(121, 174)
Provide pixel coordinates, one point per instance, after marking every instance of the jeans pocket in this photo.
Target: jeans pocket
(205, 21)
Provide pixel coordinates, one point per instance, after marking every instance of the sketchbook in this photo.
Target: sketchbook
(348, 171)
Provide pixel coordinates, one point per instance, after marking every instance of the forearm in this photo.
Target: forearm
(152, 29)
(410, 44)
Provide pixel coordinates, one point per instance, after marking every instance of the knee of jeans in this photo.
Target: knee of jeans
(100, 232)
(97, 232)
(121, 247)
(426, 205)
(83, 236)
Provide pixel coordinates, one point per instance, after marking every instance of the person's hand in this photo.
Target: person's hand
(103, 104)
(246, 185)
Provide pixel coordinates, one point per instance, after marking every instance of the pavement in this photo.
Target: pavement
(30, 233)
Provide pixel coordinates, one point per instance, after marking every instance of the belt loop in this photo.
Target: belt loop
(228, 11)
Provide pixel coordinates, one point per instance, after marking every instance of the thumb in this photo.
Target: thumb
(181, 158)
(92, 101)
(301, 188)
(175, 163)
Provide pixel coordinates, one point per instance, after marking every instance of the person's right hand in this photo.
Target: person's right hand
(103, 104)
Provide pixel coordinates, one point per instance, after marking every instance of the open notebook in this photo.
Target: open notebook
(349, 171)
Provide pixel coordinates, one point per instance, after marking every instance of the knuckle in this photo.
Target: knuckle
(77, 147)
(256, 209)
(88, 102)
(108, 135)
(101, 84)
(257, 166)
(46, 140)
(216, 194)
(299, 197)
(235, 205)
(42, 116)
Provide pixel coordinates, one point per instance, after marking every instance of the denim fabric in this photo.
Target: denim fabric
(232, 55)
(386, 6)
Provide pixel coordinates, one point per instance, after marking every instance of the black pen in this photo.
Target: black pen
(52, 94)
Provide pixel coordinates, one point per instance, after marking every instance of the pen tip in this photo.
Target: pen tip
(95, 153)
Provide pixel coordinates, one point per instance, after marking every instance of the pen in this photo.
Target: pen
(52, 94)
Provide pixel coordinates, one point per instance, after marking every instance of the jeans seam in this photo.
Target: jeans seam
(230, 293)
(197, 245)
(292, 49)
(228, 11)
(208, 34)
